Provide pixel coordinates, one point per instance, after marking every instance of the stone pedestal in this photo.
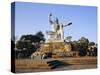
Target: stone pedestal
(55, 47)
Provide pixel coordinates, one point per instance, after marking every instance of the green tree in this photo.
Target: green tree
(29, 43)
(83, 46)
(83, 42)
(68, 38)
(75, 45)
(91, 43)
(40, 36)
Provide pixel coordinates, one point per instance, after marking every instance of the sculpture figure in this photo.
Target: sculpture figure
(57, 28)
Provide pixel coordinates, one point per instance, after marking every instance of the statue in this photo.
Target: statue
(54, 24)
(57, 28)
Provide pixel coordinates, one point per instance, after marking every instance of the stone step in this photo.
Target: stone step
(31, 64)
(37, 64)
(54, 64)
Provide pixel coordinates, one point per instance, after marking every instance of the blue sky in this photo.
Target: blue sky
(33, 17)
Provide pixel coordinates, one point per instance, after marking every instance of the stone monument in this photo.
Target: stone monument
(55, 43)
(57, 33)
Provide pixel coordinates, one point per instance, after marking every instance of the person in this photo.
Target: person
(54, 24)
(57, 28)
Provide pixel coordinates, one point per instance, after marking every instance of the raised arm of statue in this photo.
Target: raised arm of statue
(67, 24)
(50, 18)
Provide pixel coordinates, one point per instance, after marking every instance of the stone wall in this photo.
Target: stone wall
(55, 47)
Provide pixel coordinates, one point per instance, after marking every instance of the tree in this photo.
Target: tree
(83, 42)
(75, 45)
(95, 51)
(40, 36)
(29, 43)
(83, 46)
(69, 38)
(91, 43)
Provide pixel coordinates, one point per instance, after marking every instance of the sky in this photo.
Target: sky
(33, 17)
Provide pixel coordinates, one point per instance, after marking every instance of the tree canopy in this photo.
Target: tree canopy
(30, 43)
